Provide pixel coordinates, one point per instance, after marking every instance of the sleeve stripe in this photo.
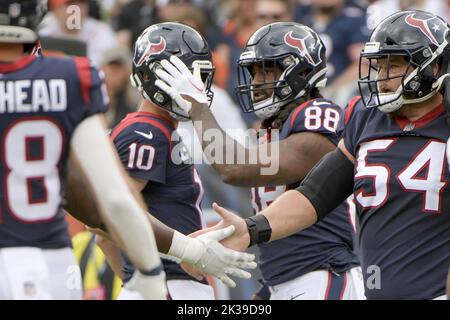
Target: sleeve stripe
(129, 121)
(351, 106)
(84, 74)
(297, 111)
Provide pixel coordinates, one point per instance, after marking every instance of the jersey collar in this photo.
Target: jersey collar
(424, 120)
(16, 65)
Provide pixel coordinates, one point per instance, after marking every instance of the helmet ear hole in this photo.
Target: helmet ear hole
(161, 98)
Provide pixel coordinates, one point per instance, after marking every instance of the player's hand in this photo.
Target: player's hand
(240, 239)
(193, 271)
(210, 257)
(184, 87)
(150, 287)
(222, 262)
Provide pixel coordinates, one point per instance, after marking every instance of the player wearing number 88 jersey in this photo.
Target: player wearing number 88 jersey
(308, 264)
(317, 262)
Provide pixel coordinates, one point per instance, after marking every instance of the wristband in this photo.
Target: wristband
(259, 229)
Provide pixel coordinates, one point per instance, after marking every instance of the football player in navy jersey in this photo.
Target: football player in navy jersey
(280, 73)
(342, 27)
(51, 107)
(392, 157)
(154, 155)
(50, 111)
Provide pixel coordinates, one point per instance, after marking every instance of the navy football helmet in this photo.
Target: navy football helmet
(159, 42)
(422, 39)
(292, 47)
(19, 20)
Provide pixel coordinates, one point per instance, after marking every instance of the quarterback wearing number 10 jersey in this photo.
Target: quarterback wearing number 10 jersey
(151, 150)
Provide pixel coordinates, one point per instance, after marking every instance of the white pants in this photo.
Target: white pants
(321, 285)
(28, 273)
(178, 290)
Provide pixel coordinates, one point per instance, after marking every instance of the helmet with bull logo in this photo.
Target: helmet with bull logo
(422, 39)
(159, 42)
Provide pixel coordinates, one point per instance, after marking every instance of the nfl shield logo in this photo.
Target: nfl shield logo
(409, 127)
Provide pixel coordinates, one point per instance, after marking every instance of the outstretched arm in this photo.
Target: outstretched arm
(111, 252)
(279, 162)
(327, 185)
(204, 252)
(82, 205)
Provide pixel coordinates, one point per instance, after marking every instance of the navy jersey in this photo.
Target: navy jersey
(325, 245)
(402, 201)
(151, 150)
(42, 100)
(347, 28)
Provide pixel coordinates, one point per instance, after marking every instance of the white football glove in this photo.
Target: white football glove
(178, 82)
(207, 254)
(150, 287)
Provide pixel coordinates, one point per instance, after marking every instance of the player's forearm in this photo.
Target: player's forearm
(316, 197)
(82, 204)
(163, 234)
(236, 164)
(80, 201)
(289, 213)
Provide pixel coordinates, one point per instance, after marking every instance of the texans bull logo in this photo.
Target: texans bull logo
(302, 45)
(151, 49)
(422, 25)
